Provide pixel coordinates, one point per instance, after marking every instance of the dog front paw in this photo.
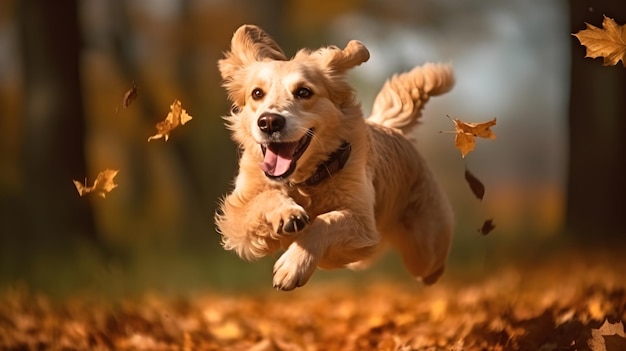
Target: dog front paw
(295, 223)
(294, 268)
(289, 219)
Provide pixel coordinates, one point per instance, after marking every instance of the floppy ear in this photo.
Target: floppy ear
(249, 44)
(339, 61)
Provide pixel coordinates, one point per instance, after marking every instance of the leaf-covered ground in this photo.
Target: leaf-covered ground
(558, 303)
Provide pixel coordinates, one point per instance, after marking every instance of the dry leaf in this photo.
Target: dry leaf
(609, 337)
(502, 309)
(101, 186)
(177, 116)
(229, 330)
(466, 132)
(608, 42)
(476, 185)
(130, 96)
(487, 227)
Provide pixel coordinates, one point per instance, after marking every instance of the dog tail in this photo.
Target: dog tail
(400, 102)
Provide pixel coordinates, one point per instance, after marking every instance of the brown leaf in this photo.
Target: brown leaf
(103, 184)
(608, 42)
(130, 96)
(615, 343)
(177, 116)
(476, 185)
(466, 133)
(487, 227)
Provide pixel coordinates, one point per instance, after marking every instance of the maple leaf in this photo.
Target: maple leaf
(608, 42)
(609, 337)
(177, 116)
(466, 132)
(476, 185)
(102, 185)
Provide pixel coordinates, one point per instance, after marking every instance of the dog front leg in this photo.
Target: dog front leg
(252, 226)
(333, 240)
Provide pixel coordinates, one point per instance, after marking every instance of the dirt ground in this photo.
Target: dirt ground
(569, 301)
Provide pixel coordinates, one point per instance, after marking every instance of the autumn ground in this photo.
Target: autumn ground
(551, 302)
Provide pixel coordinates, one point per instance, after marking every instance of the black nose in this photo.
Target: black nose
(271, 122)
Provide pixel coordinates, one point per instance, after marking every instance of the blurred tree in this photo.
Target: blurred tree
(597, 121)
(53, 127)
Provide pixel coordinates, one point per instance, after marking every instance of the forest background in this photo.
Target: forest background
(553, 175)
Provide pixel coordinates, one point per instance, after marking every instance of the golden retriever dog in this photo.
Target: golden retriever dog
(316, 179)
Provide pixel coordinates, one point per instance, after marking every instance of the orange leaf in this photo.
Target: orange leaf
(466, 132)
(102, 185)
(177, 116)
(608, 42)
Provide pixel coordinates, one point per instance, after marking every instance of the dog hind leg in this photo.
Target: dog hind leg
(423, 234)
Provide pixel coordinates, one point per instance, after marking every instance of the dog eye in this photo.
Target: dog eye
(257, 94)
(303, 93)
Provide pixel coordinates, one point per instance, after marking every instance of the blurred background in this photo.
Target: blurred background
(553, 175)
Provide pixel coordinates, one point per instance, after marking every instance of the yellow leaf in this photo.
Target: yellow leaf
(466, 132)
(177, 116)
(101, 186)
(608, 42)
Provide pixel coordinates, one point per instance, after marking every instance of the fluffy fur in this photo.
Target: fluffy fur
(384, 195)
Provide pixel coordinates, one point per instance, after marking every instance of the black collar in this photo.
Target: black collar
(335, 162)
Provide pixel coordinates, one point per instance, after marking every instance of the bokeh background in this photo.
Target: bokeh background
(553, 175)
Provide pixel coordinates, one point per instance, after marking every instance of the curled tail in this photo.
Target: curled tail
(399, 103)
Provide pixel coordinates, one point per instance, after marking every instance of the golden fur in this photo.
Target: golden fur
(385, 194)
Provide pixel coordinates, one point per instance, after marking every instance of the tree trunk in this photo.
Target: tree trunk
(53, 125)
(596, 188)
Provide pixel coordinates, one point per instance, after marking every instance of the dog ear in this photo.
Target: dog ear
(249, 44)
(339, 61)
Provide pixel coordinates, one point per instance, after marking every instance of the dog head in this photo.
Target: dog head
(290, 113)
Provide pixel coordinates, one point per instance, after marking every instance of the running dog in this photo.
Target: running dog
(317, 180)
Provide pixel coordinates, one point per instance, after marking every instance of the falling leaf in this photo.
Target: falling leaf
(177, 116)
(476, 185)
(609, 337)
(130, 96)
(466, 132)
(608, 42)
(102, 185)
(487, 227)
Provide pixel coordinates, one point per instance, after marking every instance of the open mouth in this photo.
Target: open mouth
(280, 158)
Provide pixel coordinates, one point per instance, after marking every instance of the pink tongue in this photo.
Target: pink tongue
(277, 161)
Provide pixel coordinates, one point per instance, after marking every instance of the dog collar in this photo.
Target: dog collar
(335, 162)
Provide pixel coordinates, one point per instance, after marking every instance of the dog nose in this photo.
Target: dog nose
(271, 122)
